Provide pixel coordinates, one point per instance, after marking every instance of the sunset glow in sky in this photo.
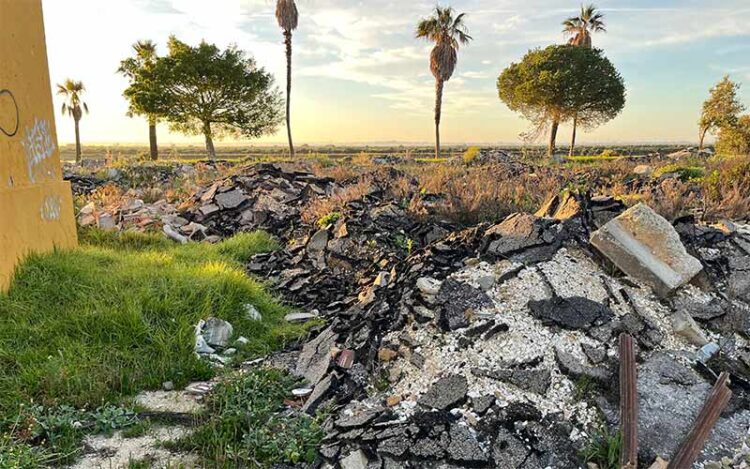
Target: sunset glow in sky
(361, 77)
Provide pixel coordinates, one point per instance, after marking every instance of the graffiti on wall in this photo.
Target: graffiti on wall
(8, 113)
(51, 206)
(39, 145)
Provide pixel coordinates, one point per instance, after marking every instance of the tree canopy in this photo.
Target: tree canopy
(551, 85)
(205, 90)
(721, 109)
(734, 140)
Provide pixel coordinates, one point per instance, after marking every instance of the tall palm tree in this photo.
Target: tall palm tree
(448, 32)
(74, 106)
(145, 58)
(580, 28)
(288, 17)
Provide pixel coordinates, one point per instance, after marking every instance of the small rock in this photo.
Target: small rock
(217, 332)
(571, 313)
(241, 341)
(428, 286)
(446, 393)
(318, 241)
(174, 235)
(686, 326)
(302, 392)
(252, 313)
(355, 460)
(300, 317)
(385, 354)
(393, 401)
(168, 386)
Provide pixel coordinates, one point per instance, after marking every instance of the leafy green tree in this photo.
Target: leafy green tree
(580, 29)
(74, 106)
(143, 92)
(721, 109)
(734, 140)
(287, 16)
(551, 85)
(448, 32)
(215, 93)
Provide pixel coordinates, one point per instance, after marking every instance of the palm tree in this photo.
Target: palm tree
(580, 29)
(448, 32)
(74, 106)
(145, 58)
(287, 17)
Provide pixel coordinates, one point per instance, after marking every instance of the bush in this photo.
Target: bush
(735, 140)
(608, 153)
(471, 154)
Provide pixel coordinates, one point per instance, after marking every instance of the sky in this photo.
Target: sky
(360, 76)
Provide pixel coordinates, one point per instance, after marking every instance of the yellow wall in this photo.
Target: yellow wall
(36, 209)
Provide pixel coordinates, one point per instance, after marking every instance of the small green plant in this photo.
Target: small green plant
(470, 155)
(329, 219)
(685, 173)
(14, 454)
(604, 449)
(245, 426)
(405, 243)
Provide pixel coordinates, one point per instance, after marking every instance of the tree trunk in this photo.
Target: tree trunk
(78, 141)
(553, 138)
(152, 139)
(438, 112)
(573, 139)
(288, 42)
(209, 141)
(702, 139)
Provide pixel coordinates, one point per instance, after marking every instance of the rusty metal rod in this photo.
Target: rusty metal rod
(628, 404)
(693, 443)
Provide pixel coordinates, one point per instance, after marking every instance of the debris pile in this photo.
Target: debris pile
(496, 346)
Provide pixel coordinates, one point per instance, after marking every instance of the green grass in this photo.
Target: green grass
(685, 173)
(604, 449)
(116, 316)
(86, 328)
(591, 159)
(246, 429)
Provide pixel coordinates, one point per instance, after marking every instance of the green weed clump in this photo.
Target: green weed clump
(470, 155)
(245, 427)
(685, 173)
(604, 449)
(117, 315)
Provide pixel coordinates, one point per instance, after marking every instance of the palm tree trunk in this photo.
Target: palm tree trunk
(573, 139)
(78, 141)
(152, 139)
(209, 141)
(553, 137)
(288, 42)
(438, 112)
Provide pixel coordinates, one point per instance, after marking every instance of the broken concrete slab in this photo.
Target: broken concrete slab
(315, 358)
(646, 247)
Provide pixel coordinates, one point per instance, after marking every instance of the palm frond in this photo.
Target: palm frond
(287, 14)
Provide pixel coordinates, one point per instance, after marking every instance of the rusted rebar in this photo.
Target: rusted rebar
(628, 404)
(692, 445)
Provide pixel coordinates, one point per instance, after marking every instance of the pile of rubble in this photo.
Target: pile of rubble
(495, 346)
